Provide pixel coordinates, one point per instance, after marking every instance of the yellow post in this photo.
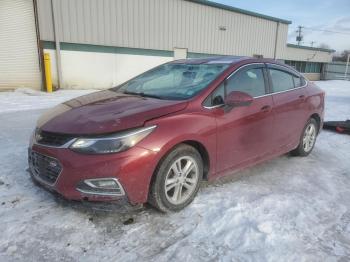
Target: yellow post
(47, 63)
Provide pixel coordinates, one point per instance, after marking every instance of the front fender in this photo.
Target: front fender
(173, 130)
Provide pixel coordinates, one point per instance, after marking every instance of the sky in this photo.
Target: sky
(332, 15)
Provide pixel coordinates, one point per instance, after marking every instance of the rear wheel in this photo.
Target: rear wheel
(307, 139)
(177, 179)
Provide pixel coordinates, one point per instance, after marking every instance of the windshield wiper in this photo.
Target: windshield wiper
(142, 94)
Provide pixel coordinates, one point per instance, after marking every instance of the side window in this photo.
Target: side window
(297, 81)
(281, 80)
(217, 97)
(250, 81)
(303, 81)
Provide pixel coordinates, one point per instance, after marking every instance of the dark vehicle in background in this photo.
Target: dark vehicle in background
(155, 137)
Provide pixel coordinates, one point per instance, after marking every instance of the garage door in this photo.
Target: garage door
(19, 63)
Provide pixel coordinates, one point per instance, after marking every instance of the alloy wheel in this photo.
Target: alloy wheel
(309, 137)
(181, 180)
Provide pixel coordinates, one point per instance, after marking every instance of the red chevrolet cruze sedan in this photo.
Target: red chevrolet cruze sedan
(155, 137)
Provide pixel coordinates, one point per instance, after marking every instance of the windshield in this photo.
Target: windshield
(173, 81)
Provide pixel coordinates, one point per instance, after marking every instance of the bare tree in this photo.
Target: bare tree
(342, 57)
(323, 45)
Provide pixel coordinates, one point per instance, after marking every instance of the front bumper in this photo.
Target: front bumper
(120, 205)
(132, 170)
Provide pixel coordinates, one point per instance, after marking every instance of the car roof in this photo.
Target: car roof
(225, 60)
(210, 60)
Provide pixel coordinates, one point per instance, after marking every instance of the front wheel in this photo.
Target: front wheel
(307, 139)
(177, 179)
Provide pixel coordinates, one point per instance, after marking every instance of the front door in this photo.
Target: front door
(244, 133)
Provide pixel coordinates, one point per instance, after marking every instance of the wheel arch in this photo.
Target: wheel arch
(202, 150)
(204, 154)
(317, 117)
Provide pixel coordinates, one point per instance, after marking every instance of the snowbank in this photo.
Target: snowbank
(23, 99)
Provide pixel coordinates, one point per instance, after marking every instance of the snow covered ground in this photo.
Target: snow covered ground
(27, 99)
(288, 209)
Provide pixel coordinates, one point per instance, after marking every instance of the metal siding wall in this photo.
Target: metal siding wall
(161, 24)
(282, 40)
(312, 76)
(19, 64)
(98, 70)
(335, 70)
(299, 54)
(45, 19)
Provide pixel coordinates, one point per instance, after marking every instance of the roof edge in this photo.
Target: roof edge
(239, 10)
(311, 48)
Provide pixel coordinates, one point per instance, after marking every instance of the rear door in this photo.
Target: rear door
(290, 107)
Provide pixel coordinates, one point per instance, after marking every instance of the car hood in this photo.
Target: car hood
(105, 112)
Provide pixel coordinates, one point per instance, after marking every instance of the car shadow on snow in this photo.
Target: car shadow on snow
(118, 213)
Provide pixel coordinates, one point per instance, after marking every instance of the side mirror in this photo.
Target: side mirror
(237, 98)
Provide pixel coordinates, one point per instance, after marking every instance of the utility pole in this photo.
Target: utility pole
(312, 43)
(347, 66)
(299, 36)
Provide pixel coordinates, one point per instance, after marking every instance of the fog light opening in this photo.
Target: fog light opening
(102, 183)
(101, 186)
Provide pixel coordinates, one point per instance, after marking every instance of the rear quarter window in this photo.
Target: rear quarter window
(297, 81)
(281, 80)
(303, 81)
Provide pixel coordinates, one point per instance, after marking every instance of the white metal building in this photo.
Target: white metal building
(19, 58)
(101, 43)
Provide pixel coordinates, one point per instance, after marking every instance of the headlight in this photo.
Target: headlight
(32, 137)
(112, 143)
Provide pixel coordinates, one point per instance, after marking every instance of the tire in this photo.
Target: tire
(182, 184)
(307, 139)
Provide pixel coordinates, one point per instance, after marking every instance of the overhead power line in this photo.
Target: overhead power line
(325, 30)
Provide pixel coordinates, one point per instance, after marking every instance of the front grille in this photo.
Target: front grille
(52, 139)
(45, 168)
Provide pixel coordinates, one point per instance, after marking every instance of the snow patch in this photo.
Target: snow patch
(30, 91)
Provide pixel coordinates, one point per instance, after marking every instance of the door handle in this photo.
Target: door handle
(302, 97)
(266, 108)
